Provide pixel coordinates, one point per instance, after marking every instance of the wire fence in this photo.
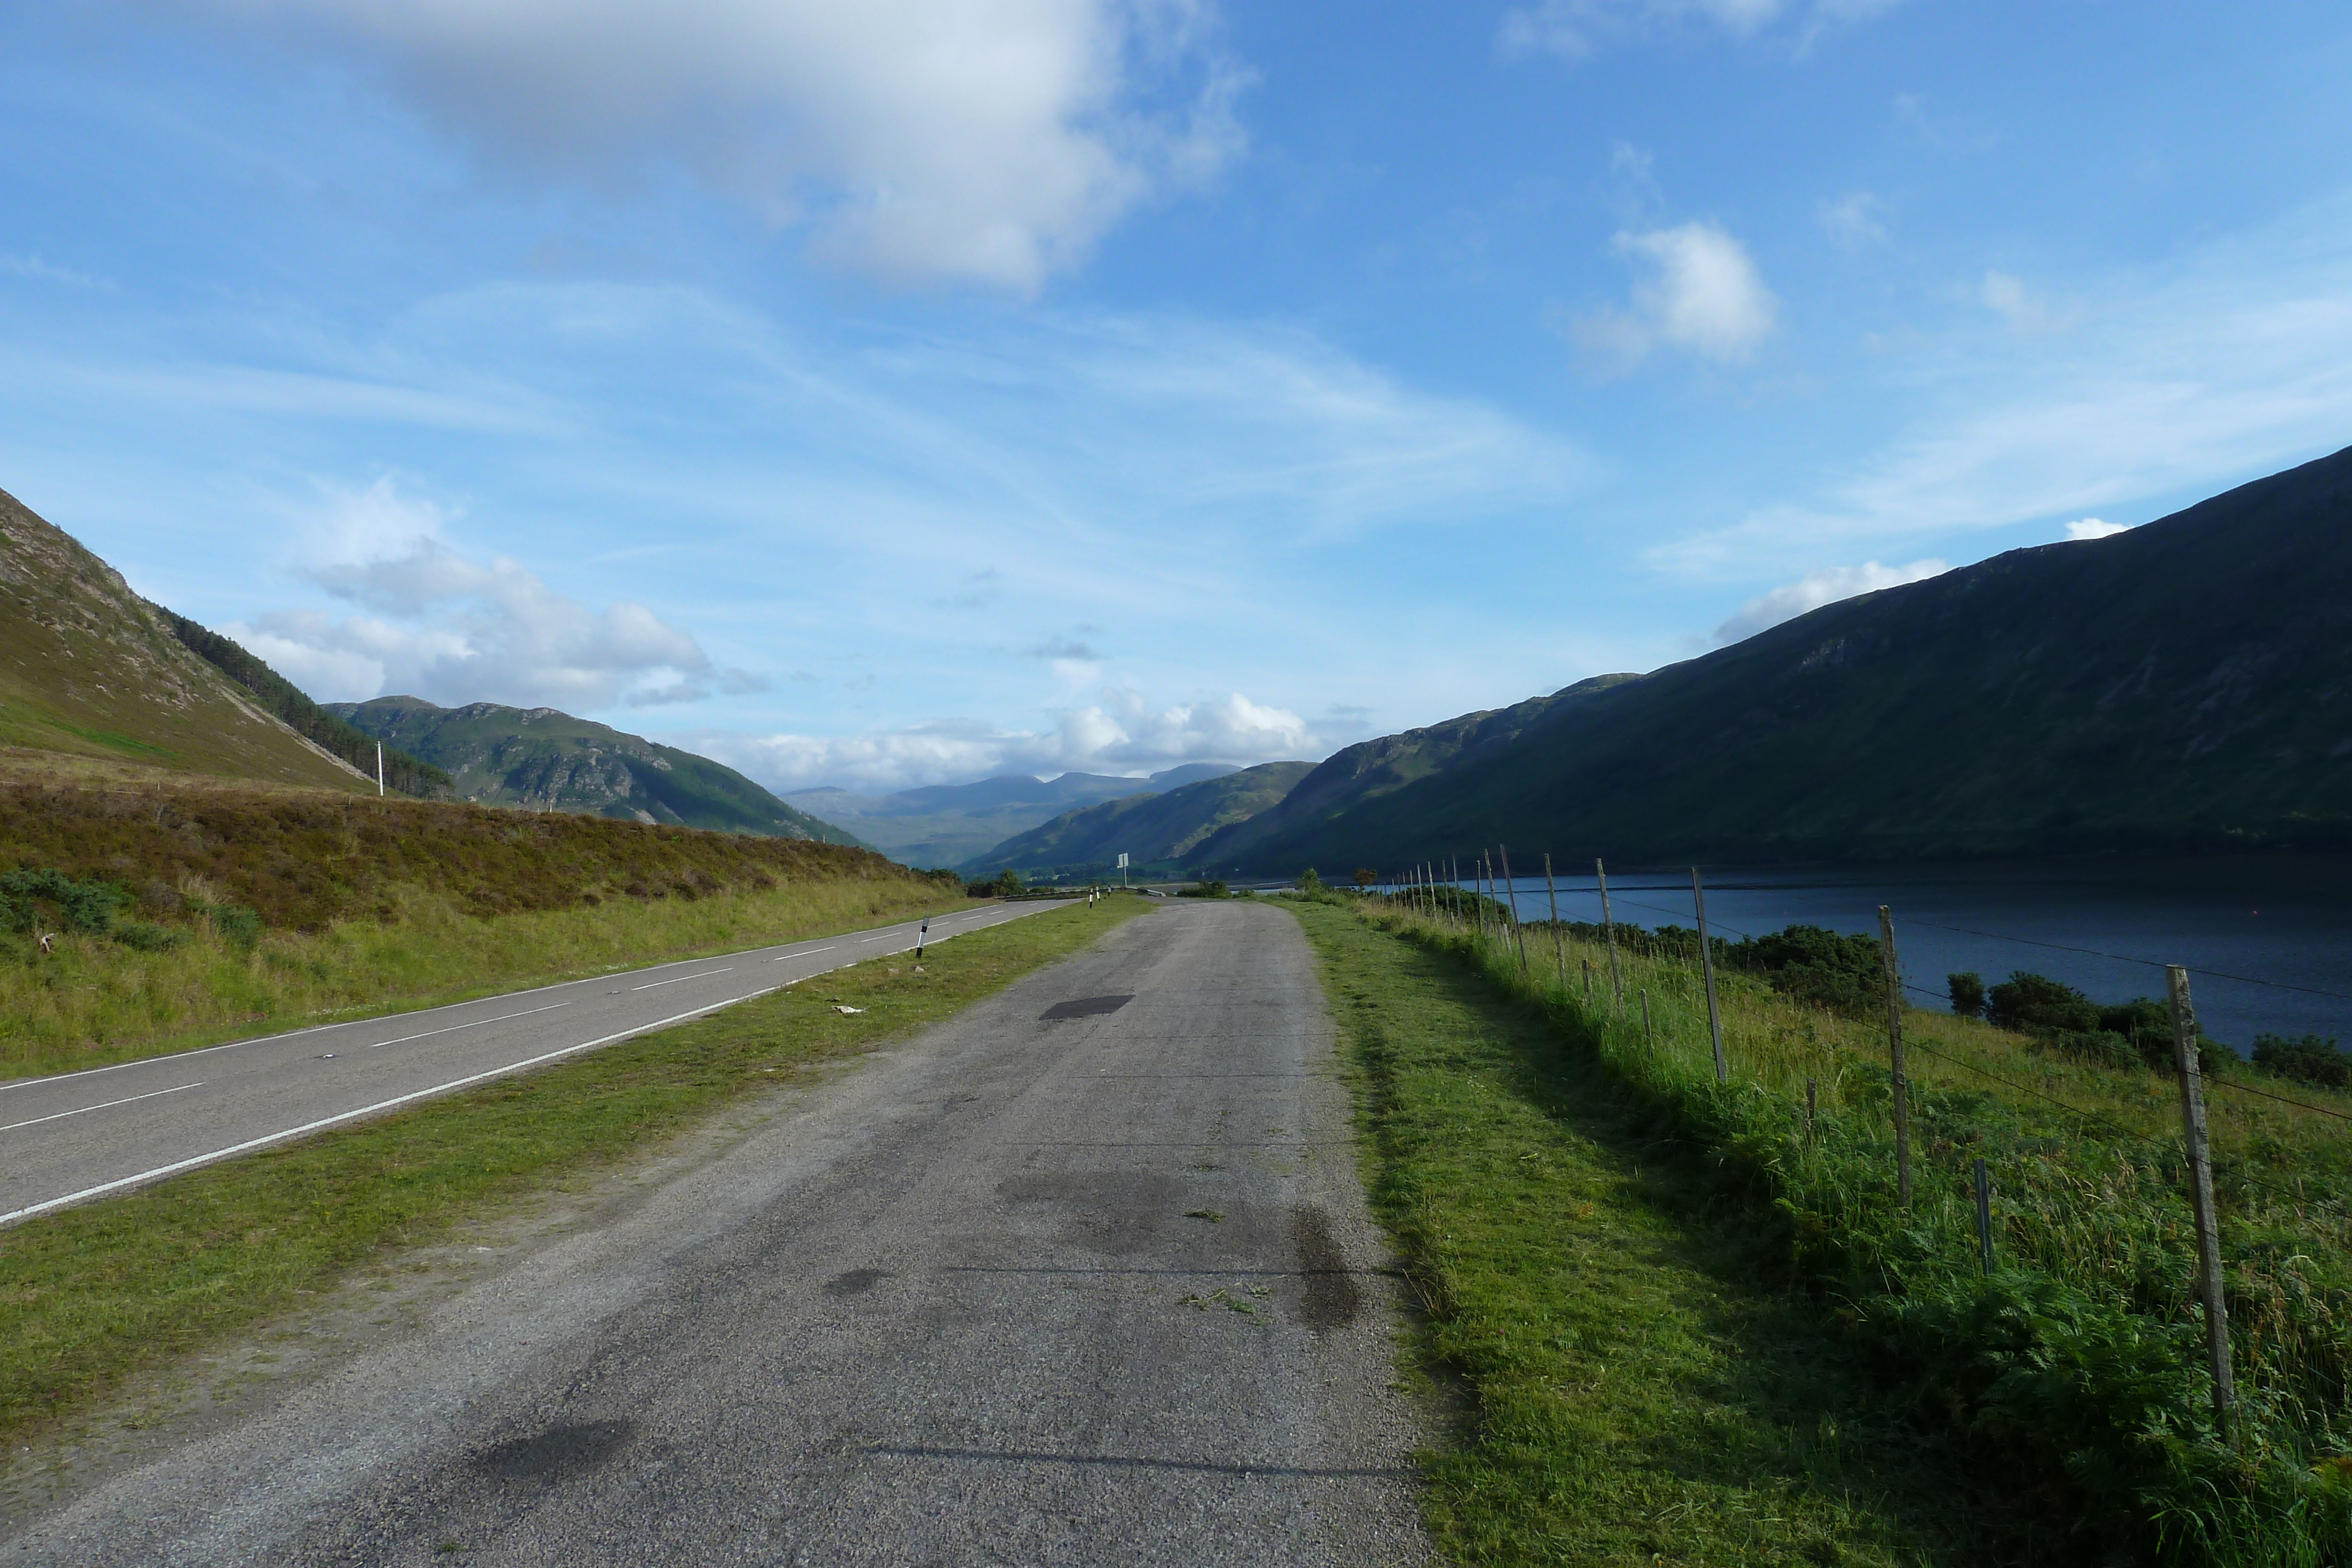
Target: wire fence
(1493, 911)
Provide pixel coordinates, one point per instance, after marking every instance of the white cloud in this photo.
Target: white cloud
(1816, 589)
(919, 139)
(2006, 298)
(1119, 733)
(1576, 29)
(446, 628)
(33, 266)
(1855, 220)
(2095, 529)
(1699, 292)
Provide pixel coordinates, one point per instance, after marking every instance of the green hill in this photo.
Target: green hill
(550, 761)
(88, 668)
(1158, 834)
(2187, 684)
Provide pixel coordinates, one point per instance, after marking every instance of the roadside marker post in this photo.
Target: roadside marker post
(2201, 1195)
(922, 936)
(1707, 969)
(1894, 1055)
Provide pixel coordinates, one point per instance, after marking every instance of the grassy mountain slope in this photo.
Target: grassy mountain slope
(293, 707)
(2187, 684)
(1157, 832)
(91, 669)
(949, 824)
(546, 760)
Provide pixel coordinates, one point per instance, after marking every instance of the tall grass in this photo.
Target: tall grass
(93, 1000)
(2076, 1369)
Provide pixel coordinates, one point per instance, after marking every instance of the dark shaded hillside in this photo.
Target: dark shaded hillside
(550, 761)
(1158, 832)
(294, 707)
(2186, 684)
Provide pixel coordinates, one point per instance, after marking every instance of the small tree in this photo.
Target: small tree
(1967, 993)
(1308, 883)
(1365, 877)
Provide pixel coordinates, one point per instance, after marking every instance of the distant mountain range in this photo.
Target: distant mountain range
(89, 668)
(1160, 833)
(2184, 685)
(547, 760)
(953, 825)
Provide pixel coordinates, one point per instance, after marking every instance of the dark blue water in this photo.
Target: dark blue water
(2248, 929)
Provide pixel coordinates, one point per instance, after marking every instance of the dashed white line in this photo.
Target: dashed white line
(477, 1024)
(61, 1116)
(683, 979)
(810, 953)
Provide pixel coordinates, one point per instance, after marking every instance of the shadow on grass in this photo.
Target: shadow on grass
(1648, 1386)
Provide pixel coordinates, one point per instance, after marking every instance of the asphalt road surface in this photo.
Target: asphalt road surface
(1082, 1276)
(79, 1136)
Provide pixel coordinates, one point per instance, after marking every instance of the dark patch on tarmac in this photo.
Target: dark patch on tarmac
(557, 1454)
(1085, 1008)
(1334, 1300)
(857, 1281)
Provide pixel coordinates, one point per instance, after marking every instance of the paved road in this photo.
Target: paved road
(960, 1307)
(81, 1134)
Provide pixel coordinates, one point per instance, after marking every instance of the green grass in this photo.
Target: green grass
(2072, 1380)
(90, 1295)
(1641, 1391)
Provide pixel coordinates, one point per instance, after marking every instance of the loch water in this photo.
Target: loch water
(2267, 939)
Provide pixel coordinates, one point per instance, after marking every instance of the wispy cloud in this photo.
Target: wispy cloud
(2095, 529)
(2234, 363)
(1816, 589)
(1578, 29)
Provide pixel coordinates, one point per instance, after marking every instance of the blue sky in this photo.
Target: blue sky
(907, 391)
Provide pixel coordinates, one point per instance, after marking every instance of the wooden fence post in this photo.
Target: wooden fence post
(1984, 1215)
(1707, 969)
(1512, 888)
(1648, 1037)
(1558, 952)
(1894, 1055)
(1609, 927)
(2201, 1195)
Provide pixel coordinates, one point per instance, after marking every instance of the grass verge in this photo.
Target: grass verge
(1643, 1394)
(88, 1295)
(2070, 1378)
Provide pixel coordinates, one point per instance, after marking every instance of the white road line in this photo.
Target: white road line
(683, 979)
(250, 1143)
(810, 954)
(61, 1116)
(477, 1024)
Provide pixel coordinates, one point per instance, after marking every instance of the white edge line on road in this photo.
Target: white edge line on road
(477, 1024)
(379, 1018)
(61, 1116)
(279, 1137)
(681, 980)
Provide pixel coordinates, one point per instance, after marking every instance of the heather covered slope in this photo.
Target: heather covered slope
(88, 668)
(2186, 684)
(1160, 832)
(550, 761)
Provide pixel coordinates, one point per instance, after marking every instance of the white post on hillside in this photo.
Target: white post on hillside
(379, 767)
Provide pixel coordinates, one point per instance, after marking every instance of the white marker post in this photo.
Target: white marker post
(1122, 868)
(379, 767)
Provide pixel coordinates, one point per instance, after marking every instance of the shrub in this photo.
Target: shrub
(148, 939)
(1967, 993)
(1815, 965)
(2309, 1060)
